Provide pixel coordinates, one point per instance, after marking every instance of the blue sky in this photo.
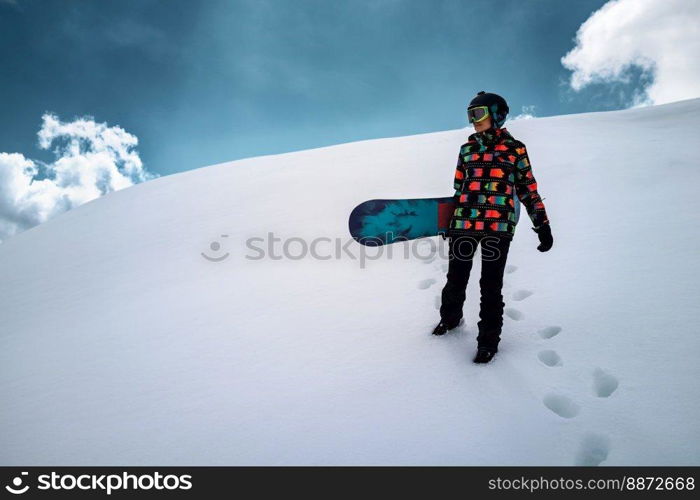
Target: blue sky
(206, 82)
(211, 81)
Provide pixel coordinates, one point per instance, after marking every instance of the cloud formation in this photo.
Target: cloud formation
(91, 160)
(661, 37)
(528, 113)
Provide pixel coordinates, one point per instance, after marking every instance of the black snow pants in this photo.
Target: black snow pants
(494, 252)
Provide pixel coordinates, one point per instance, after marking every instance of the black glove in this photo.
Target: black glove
(544, 233)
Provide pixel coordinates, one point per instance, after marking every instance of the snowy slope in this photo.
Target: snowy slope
(121, 344)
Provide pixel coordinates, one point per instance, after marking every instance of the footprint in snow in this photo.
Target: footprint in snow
(593, 450)
(514, 314)
(511, 269)
(550, 358)
(426, 283)
(604, 384)
(522, 294)
(549, 332)
(561, 405)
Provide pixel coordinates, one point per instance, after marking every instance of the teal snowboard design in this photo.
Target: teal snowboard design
(381, 222)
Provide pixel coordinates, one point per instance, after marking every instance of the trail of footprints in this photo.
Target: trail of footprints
(594, 448)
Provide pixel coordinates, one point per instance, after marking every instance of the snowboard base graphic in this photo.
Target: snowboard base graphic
(381, 222)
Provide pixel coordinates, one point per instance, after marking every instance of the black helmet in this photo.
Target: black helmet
(498, 107)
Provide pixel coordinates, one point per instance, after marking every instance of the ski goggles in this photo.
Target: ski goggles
(477, 113)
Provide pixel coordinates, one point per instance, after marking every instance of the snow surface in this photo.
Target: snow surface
(121, 344)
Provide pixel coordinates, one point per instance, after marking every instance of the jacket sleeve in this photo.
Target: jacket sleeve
(526, 188)
(460, 173)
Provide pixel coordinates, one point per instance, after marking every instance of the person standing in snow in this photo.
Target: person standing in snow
(492, 166)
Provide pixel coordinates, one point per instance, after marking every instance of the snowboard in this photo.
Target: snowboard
(381, 222)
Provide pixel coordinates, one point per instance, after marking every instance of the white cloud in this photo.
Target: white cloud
(528, 112)
(91, 159)
(662, 37)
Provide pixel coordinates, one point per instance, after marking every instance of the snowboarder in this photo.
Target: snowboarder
(492, 166)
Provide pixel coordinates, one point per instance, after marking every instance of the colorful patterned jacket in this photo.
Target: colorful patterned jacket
(491, 166)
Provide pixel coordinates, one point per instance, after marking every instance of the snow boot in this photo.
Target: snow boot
(444, 326)
(484, 354)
